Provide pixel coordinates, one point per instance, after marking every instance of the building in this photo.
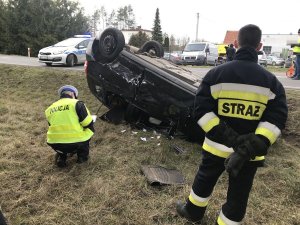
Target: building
(129, 32)
(230, 37)
(278, 44)
(275, 44)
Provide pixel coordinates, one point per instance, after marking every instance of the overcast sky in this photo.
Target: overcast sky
(215, 16)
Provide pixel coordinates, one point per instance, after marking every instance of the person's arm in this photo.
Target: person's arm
(84, 115)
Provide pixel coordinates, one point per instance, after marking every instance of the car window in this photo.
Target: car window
(68, 42)
(84, 43)
(194, 47)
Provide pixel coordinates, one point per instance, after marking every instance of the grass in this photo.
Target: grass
(110, 188)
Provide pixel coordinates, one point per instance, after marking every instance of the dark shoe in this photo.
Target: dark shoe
(61, 160)
(296, 78)
(81, 159)
(182, 211)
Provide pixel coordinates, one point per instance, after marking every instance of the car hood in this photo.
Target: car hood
(54, 49)
(191, 53)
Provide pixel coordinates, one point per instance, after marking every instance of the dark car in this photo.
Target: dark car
(142, 85)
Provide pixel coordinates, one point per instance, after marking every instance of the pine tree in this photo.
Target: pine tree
(157, 33)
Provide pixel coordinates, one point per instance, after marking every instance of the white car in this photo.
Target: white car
(67, 52)
(262, 58)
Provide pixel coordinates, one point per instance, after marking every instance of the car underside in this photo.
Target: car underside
(141, 87)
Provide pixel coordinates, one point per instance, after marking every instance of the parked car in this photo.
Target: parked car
(143, 88)
(275, 61)
(262, 58)
(67, 52)
(200, 53)
(176, 57)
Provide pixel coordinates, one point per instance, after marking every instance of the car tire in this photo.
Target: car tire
(111, 43)
(70, 60)
(48, 64)
(153, 46)
(273, 63)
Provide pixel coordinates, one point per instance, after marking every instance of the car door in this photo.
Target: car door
(82, 50)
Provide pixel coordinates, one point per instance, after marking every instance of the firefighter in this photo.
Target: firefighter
(242, 109)
(70, 126)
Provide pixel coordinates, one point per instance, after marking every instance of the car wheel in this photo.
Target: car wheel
(70, 60)
(153, 47)
(273, 64)
(111, 43)
(48, 64)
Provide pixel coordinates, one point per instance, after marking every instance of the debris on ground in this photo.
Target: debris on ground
(157, 175)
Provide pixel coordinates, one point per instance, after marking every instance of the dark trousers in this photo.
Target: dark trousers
(297, 66)
(81, 148)
(2, 219)
(238, 190)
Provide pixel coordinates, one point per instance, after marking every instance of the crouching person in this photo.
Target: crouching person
(70, 126)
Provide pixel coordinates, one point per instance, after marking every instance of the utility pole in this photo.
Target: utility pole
(197, 27)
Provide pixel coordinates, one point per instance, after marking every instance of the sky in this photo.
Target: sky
(179, 18)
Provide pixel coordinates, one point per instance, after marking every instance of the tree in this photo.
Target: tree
(157, 33)
(166, 44)
(112, 19)
(3, 27)
(35, 24)
(138, 39)
(125, 17)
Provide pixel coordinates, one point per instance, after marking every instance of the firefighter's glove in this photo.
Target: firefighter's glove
(234, 163)
(256, 145)
(223, 134)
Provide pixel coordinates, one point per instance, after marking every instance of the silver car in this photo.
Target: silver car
(67, 52)
(275, 61)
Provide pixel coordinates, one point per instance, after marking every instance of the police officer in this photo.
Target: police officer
(242, 109)
(296, 51)
(70, 126)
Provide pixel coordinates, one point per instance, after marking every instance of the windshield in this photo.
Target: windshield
(68, 42)
(194, 47)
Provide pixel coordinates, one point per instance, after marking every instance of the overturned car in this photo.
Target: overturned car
(141, 87)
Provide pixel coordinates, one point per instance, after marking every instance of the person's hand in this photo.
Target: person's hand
(234, 163)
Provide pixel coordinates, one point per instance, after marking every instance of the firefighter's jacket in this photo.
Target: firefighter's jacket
(69, 122)
(245, 96)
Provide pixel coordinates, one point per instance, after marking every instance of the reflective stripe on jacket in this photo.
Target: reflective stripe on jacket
(64, 123)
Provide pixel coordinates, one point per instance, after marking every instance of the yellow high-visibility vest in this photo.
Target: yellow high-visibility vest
(296, 49)
(64, 123)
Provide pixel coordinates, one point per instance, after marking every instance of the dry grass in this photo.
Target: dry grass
(110, 188)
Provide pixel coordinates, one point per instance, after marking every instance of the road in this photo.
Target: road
(31, 61)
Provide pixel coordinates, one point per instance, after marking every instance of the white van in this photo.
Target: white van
(200, 53)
